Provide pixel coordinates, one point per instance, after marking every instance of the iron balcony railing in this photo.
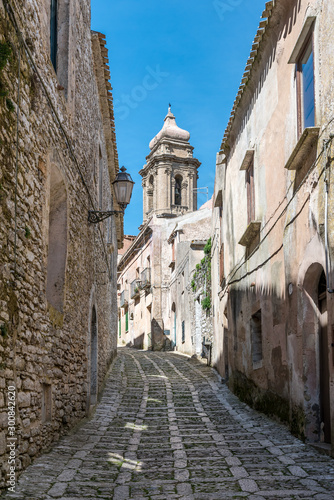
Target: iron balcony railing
(124, 299)
(134, 288)
(145, 278)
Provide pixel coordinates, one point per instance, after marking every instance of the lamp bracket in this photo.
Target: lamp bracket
(95, 216)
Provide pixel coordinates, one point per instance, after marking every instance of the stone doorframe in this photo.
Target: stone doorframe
(309, 319)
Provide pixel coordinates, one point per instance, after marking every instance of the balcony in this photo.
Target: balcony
(304, 147)
(179, 209)
(134, 289)
(145, 279)
(251, 233)
(124, 298)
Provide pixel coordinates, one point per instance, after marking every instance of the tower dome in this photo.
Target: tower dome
(170, 173)
(170, 131)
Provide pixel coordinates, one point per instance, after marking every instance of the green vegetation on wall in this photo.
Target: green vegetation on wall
(202, 277)
(5, 56)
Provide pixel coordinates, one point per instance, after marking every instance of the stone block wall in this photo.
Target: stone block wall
(47, 326)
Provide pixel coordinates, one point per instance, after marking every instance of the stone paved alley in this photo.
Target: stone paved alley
(166, 428)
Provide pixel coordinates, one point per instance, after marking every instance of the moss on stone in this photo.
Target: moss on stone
(4, 330)
(27, 232)
(10, 105)
(13, 307)
(56, 317)
(268, 402)
(297, 424)
(5, 54)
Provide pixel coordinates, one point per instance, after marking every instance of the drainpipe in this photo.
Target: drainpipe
(329, 290)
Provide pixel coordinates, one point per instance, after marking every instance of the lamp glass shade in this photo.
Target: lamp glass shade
(123, 186)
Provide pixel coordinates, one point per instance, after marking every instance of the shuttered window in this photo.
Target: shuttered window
(127, 321)
(250, 193)
(256, 336)
(221, 265)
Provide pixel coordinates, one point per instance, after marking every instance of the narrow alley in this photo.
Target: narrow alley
(167, 428)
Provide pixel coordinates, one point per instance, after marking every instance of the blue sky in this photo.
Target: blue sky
(189, 53)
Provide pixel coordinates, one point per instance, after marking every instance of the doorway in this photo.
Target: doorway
(93, 358)
(316, 356)
(325, 416)
(174, 325)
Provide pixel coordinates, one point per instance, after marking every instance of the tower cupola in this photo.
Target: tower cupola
(170, 174)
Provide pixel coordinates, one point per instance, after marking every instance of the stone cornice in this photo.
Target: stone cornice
(173, 143)
(257, 46)
(167, 160)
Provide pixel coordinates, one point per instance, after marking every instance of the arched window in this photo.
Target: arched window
(150, 191)
(178, 187)
(57, 249)
(316, 368)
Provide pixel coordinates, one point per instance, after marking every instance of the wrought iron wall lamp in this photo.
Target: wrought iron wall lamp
(123, 185)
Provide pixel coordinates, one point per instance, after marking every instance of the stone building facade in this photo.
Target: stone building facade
(273, 224)
(156, 301)
(58, 158)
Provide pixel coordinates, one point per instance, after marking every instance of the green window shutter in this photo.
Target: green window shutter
(127, 321)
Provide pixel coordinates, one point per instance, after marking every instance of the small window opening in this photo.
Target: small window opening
(178, 188)
(256, 336)
(53, 32)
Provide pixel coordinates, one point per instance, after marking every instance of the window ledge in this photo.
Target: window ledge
(302, 149)
(249, 156)
(218, 199)
(257, 364)
(301, 39)
(250, 234)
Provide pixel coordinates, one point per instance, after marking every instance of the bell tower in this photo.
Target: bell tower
(170, 174)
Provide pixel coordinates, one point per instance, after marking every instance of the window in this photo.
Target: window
(221, 265)
(183, 333)
(53, 32)
(150, 192)
(256, 337)
(305, 86)
(127, 321)
(250, 193)
(178, 188)
(46, 403)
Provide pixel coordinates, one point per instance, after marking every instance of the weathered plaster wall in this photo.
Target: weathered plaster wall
(274, 276)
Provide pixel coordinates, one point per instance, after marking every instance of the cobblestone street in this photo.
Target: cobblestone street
(166, 428)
